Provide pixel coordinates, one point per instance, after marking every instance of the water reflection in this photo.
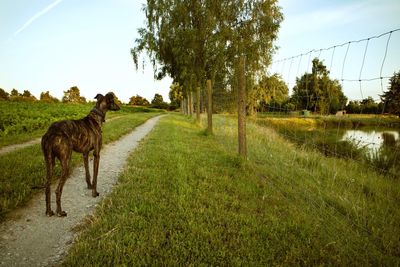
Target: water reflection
(372, 140)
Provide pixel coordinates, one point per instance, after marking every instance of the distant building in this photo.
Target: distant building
(341, 113)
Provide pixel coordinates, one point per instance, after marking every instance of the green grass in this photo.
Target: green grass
(22, 172)
(188, 199)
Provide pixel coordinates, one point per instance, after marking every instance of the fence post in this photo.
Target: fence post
(242, 108)
(209, 107)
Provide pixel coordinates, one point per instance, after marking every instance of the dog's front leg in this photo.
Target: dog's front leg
(86, 163)
(96, 155)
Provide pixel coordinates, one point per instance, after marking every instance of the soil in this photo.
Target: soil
(29, 238)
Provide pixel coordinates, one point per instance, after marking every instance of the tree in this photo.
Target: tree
(391, 98)
(15, 93)
(270, 92)
(73, 96)
(193, 41)
(317, 92)
(158, 102)
(26, 95)
(4, 95)
(175, 95)
(46, 97)
(138, 101)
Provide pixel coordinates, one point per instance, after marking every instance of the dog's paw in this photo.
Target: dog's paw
(61, 214)
(49, 213)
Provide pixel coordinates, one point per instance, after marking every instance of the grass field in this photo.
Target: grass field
(22, 172)
(188, 199)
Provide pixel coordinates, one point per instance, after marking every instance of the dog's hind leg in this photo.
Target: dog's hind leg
(49, 159)
(65, 162)
(86, 163)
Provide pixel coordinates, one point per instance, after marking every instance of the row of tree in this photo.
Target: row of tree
(70, 96)
(314, 91)
(73, 96)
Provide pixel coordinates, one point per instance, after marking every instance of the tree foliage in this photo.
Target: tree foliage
(391, 98)
(46, 97)
(73, 95)
(4, 95)
(270, 91)
(175, 95)
(317, 92)
(195, 40)
(138, 101)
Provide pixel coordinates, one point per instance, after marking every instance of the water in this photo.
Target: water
(373, 140)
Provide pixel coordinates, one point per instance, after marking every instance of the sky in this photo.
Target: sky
(52, 45)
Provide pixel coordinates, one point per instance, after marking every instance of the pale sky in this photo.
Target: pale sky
(318, 24)
(56, 44)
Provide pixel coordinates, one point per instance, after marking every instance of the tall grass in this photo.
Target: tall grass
(187, 199)
(22, 172)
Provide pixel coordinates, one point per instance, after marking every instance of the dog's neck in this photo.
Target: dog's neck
(100, 114)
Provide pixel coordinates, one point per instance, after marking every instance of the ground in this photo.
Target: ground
(30, 238)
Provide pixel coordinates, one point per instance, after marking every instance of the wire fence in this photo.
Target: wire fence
(363, 69)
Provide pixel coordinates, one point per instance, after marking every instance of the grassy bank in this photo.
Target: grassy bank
(22, 172)
(348, 121)
(187, 199)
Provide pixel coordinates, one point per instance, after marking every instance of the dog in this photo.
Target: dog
(82, 136)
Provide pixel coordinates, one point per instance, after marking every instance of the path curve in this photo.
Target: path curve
(29, 238)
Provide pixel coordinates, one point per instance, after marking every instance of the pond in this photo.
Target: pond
(372, 140)
(377, 147)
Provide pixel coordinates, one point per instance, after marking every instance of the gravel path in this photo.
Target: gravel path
(10, 148)
(29, 238)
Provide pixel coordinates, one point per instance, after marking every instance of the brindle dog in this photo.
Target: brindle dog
(81, 136)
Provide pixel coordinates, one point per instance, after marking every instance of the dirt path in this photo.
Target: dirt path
(10, 148)
(29, 238)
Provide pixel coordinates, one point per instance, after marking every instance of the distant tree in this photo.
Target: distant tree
(158, 99)
(138, 101)
(158, 102)
(317, 92)
(46, 97)
(4, 95)
(271, 91)
(175, 95)
(353, 107)
(369, 106)
(15, 93)
(27, 96)
(391, 98)
(73, 96)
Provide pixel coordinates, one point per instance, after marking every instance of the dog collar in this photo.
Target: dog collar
(100, 113)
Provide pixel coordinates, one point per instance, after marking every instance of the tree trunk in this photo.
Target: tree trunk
(209, 107)
(190, 104)
(198, 104)
(242, 108)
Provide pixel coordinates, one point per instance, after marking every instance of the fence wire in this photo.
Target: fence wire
(363, 68)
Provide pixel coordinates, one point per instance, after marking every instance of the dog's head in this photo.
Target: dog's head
(106, 102)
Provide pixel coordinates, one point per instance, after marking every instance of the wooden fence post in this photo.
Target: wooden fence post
(242, 108)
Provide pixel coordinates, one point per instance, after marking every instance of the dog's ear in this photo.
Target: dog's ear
(98, 97)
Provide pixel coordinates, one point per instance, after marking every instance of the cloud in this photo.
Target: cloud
(36, 16)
